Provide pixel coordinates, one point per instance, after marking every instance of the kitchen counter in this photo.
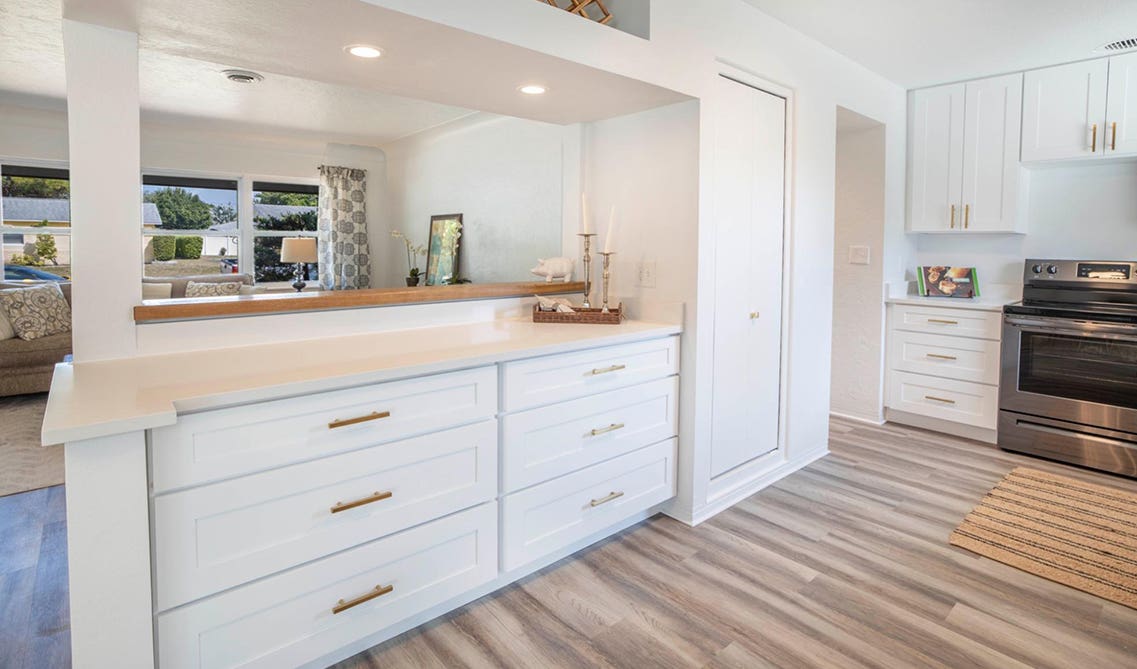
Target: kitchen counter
(99, 399)
(978, 303)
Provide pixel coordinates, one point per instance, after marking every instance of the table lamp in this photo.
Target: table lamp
(300, 250)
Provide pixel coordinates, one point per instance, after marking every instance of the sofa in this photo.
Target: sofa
(27, 366)
(178, 283)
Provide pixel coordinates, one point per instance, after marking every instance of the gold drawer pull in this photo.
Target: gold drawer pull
(604, 430)
(939, 399)
(605, 499)
(943, 320)
(606, 370)
(1094, 145)
(379, 591)
(377, 497)
(939, 356)
(1114, 143)
(374, 415)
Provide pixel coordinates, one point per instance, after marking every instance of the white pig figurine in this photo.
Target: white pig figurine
(554, 268)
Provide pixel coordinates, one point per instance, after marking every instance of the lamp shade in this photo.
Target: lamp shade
(298, 249)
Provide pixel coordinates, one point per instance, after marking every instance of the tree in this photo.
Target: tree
(59, 189)
(180, 209)
(45, 248)
(223, 213)
(266, 250)
(292, 199)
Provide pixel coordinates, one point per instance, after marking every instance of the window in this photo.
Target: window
(281, 210)
(35, 220)
(189, 226)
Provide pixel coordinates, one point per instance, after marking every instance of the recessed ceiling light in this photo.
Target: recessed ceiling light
(533, 89)
(363, 50)
(242, 76)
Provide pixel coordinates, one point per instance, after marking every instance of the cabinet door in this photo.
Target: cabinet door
(991, 138)
(1121, 117)
(749, 206)
(1061, 107)
(936, 162)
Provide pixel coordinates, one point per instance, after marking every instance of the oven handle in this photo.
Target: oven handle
(1072, 327)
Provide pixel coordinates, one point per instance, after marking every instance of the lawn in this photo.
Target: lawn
(203, 265)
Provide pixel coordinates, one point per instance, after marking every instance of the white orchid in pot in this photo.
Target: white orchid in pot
(414, 274)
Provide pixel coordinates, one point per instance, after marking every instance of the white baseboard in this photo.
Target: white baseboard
(947, 427)
(878, 421)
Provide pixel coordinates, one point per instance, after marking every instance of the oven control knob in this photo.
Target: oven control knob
(1037, 269)
(1052, 269)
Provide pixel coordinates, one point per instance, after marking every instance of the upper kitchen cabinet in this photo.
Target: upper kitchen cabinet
(964, 168)
(1121, 108)
(1064, 111)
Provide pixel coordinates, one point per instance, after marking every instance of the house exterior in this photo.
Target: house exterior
(48, 215)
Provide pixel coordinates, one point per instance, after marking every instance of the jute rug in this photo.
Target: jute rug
(1078, 534)
(24, 464)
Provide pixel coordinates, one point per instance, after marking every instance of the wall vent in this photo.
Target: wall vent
(1126, 44)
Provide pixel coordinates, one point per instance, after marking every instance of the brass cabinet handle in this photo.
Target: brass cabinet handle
(939, 399)
(374, 415)
(605, 499)
(966, 216)
(753, 315)
(953, 217)
(940, 356)
(379, 591)
(1113, 142)
(606, 370)
(376, 497)
(1094, 145)
(942, 320)
(604, 430)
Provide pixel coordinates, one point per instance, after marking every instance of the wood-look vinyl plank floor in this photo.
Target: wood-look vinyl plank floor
(843, 564)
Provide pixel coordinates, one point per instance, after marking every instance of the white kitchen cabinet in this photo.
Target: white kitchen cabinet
(1121, 111)
(749, 208)
(1064, 111)
(963, 167)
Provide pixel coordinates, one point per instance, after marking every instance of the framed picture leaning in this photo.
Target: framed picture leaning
(442, 249)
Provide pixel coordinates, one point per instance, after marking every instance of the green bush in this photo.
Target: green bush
(188, 248)
(25, 260)
(165, 248)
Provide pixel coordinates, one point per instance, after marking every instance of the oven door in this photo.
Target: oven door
(1071, 370)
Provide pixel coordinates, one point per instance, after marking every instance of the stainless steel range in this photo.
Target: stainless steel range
(1068, 381)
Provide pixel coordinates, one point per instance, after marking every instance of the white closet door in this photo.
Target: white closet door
(749, 212)
(1061, 106)
(1121, 116)
(936, 165)
(993, 120)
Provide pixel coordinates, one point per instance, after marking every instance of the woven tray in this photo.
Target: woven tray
(591, 316)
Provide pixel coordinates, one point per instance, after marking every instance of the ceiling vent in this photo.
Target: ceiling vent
(242, 76)
(1127, 44)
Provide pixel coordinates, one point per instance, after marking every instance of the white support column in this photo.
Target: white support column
(108, 553)
(106, 189)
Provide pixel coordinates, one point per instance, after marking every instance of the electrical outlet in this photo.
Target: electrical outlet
(859, 255)
(645, 273)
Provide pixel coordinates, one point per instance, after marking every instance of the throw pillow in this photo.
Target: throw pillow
(6, 331)
(157, 291)
(36, 312)
(251, 290)
(218, 289)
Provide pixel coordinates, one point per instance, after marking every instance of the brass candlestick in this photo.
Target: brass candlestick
(607, 275)
(587, 236)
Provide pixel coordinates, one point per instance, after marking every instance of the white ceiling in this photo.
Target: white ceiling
(925, 42)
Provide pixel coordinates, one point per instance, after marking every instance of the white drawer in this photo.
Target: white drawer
(961, 358)
(552, 515)
(555, 378)
(287, 620)
(221, 444)
(948, 321)
(544, 443)
(947, 399)
(210, 538)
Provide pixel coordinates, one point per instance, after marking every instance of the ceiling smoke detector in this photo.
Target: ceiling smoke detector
(1127, 44)
(242, 76)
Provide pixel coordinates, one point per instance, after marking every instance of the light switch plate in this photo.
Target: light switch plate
(859, 255)
(645, 274)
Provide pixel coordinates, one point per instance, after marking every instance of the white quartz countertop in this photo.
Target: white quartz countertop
(978, 303)
(99, 399)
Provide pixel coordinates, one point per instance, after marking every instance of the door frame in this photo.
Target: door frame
(724, 488)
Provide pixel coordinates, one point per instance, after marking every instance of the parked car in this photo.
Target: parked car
(23, 273)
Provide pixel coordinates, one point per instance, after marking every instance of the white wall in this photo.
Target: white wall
(858, 308)
(503, 174)
(1083, 211)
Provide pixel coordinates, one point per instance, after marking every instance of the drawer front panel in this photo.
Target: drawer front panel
(555, 378)
(961, 358)
(544, 443)
(552, 515)
(947, 321)
(287, 620)
(210, 538)
(222, 444)
(958, 401)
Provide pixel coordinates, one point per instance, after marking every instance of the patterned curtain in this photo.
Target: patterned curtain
(345, 256)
